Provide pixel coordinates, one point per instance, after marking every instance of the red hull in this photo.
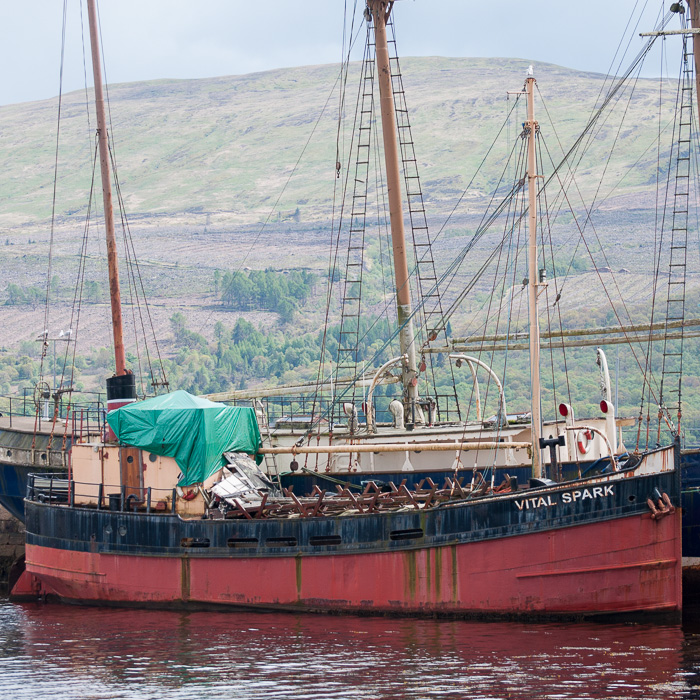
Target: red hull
(625, 565)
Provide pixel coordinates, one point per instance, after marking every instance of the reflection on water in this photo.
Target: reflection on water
(58, 651)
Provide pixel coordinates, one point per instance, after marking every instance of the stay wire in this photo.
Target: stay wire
(613, 91)
(334, 244)
(646, 391)
(49, 273)
(82, 260)
(600, 279)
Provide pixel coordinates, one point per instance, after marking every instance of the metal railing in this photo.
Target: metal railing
(56, 489)
(303, 411)
(86, 417)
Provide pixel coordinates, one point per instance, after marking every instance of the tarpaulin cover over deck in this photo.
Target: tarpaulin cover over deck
(195, 431)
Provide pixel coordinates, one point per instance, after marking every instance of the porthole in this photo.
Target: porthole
(129, 459)
(281, 541)
(324, 540)
(152, 457)
(242, 542)
(413, 534)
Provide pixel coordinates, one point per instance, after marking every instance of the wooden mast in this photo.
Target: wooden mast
(534, 282)
(114, 293)
(694, 8)
(381, 10)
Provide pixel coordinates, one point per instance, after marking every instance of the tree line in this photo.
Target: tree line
(265, 290)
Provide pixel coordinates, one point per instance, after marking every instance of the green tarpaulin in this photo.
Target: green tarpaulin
(195, 431)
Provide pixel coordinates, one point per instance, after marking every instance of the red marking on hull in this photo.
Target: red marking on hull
(624, 565)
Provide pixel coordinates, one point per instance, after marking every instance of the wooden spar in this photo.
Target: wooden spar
(288, 389)
(114, 292)
(574, 332)
(395, 447)
(380, 10)
(534, 280)
(556, 345)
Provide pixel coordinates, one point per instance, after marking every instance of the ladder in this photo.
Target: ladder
(432, 315)
(349, 336)
(271, 468)
(672, 368)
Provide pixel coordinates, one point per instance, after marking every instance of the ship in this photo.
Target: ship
(416, 418)
(174, 510)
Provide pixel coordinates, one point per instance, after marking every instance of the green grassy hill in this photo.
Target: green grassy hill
(203, 163)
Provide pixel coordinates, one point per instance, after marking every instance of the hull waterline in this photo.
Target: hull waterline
(576, 549)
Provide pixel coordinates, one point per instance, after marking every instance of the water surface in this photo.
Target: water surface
(54, 651)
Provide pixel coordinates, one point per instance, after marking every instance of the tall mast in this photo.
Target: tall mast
(534, 280)
(381, 10)
(114, 293)
(694, 7)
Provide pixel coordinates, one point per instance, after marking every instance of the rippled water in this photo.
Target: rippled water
(54, 651)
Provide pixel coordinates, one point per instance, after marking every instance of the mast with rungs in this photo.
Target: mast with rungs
(694, 7)
(380, 10)
(534, 281)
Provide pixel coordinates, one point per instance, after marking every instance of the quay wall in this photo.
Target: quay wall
(11, 545)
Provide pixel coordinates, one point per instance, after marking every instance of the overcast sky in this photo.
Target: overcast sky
(148, 39)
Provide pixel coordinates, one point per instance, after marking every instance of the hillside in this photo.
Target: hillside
(203, 163)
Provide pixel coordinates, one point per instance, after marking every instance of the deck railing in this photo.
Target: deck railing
(85, 417)
(300, 412)
(57, 489)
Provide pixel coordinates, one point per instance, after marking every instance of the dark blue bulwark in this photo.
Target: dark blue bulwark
(481, 519)
(690, 501)
(13, 487)
(23, 452)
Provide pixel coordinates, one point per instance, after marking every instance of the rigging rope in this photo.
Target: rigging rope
(49, 274)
